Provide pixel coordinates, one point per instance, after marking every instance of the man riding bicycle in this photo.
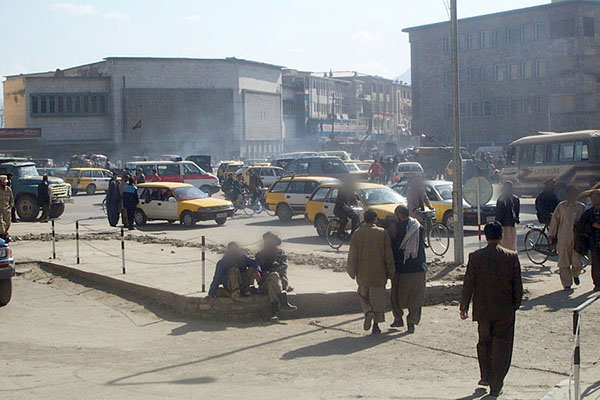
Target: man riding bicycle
(256, 185)
(417, 199)
(546, 202)
(343, 210)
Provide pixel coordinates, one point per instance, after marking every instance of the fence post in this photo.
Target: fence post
(203, 264)
(53, 241)
(123, 249)
(77, 238)
(576, 357)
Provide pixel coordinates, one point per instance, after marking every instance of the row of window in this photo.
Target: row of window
(500, 72)
(554, 153)
(500, 107)
(69, 104)
(525, 33)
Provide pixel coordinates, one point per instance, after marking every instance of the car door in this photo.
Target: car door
(329, 202)
(169, 210)
(295, 195)
(150, 203)
(100, 180)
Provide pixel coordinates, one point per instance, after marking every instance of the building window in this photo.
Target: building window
(588, 26)
(515, 107)
(526, 69)
(540, 68)
(541, 105)
(473, 41)
(486, 39)
(563, 28)
(462, 43)
(447, 45)
(510, 35)
(500, 72)
(462, 110)
(474, 75)
(500, 107)
(528, 106)
(449, 110)
(526, 33)
(513, 71)
(486, 73)
(69, 104)
(475, 109)
(541, 31)
(486, 109)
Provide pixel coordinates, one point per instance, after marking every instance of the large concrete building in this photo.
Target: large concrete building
(520, 72)
(224, 107)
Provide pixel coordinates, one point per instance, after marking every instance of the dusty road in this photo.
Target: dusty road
(61, 340)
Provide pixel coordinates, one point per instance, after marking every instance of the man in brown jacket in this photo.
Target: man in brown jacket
(371, 263)
(493, 281)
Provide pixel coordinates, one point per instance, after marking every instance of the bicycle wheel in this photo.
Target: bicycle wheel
(249, 209)
(536, 240)
(334, 237)
(269, 212)
(439, 239)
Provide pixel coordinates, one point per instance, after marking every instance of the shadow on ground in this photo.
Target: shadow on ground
(556, 301)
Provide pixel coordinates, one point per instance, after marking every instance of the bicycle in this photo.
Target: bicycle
(335, 234)
(437, 235)
(257, 206)
(539, 248)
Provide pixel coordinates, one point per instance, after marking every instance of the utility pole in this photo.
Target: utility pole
(333, 118)
(457, 195)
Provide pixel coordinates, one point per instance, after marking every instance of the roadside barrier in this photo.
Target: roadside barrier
(577, 348)
(53, 241)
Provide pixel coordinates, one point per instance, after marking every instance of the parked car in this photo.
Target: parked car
(288, 196)
(26, 180)
(317, 166)
(405, 171)
(89, 180)
(7, 271)
(440, 195)
(268, 174)
(174, 201)
(228, 168)
(178, 171)
(379, 198)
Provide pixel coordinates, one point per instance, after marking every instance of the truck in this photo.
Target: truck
(25, 182)
(7, 271)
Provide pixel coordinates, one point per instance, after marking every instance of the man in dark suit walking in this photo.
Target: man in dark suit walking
(493, 282)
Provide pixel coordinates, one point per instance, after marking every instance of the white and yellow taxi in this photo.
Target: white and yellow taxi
(173, 201)
(379, 198)
(89, 180)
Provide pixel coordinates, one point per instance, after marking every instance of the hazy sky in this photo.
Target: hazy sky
(312, 35)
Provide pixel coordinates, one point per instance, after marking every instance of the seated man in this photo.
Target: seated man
(236, 272)
(274, 279)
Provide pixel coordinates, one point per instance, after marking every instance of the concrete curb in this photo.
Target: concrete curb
(247, 309)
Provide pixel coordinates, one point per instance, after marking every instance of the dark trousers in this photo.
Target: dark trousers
(596, 267)
(45, 212)
(129, 217)
(494, 350)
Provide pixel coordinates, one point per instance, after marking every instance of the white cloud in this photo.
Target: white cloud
(365, 36)
(75, 9)
(192, 17)
(116, 15)
(297, 50)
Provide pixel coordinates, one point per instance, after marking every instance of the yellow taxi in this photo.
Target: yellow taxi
(288, 196)
(89, 180)
(371, 196)
(268, 173)
(174, 201)
(358, 170)
(228, 168)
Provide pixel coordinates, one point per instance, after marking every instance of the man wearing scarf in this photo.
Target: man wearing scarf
(408, 284)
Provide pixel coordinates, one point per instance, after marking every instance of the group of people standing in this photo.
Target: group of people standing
(122, 199)
(397, 254)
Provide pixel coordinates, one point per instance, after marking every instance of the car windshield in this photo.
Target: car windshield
(363, 166)
(189, 193)
(352, 167)
(28, 170)
(73, 172)
(383, 195)
(445, 191)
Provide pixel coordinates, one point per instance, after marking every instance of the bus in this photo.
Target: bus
(570, 158)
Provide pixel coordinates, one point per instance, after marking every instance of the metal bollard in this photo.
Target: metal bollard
(577, 357)
(203, 264)
(123, 249)
(53, 241)
(77, 239)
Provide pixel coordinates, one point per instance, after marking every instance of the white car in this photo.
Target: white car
(405, 171)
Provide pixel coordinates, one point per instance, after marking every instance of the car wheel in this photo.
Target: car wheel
(321, 225)
(27, 208)
(188, 219)
(91, 189)
(5, 291)
(56, 210)
(448, 220)
(284, 212)
(140, 218)
(221, 221)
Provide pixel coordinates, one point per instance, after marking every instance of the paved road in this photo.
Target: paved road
(298, 235)
(64, 341)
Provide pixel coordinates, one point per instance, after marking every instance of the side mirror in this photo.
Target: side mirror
(172, 200)
(147, 200)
